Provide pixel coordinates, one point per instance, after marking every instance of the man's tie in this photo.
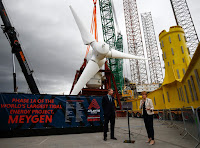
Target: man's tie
(110, 98)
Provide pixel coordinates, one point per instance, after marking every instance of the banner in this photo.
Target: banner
(28, 111)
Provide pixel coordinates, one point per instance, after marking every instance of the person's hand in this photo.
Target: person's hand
(147, 108)
(142, 102)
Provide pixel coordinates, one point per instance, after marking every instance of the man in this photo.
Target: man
(109, 113)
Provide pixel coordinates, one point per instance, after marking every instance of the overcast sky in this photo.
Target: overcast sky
(52, 43)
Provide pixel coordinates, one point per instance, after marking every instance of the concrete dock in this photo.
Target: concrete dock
(165, 137)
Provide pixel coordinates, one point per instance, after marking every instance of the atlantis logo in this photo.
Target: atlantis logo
(95, 106)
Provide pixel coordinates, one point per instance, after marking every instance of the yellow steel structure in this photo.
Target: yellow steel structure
(181, 86)
(175, 54)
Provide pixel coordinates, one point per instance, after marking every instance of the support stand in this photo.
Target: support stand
(129, 132)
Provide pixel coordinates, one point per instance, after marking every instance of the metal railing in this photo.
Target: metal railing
(198, 122)
(190, 122)
(177, 119)
(163, 115)
(186, 119)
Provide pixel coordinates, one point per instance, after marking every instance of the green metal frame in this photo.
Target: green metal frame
(115, 65)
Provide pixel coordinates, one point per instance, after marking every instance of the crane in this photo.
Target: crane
(11, 35)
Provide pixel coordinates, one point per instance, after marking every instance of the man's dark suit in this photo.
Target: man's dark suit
(109, 115)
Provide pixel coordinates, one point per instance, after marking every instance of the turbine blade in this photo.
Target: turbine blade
(90, 70)
(120, 55)
(85, 34)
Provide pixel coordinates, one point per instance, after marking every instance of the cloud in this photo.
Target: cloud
(52, 43)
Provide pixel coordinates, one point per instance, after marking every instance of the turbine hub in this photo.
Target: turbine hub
(100, 50)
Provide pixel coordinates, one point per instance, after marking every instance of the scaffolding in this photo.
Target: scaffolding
(156, 75)
(183, 18)
(135, 45)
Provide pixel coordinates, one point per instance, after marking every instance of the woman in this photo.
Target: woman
(146, 105)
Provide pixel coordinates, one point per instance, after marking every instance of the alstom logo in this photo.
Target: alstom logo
(94, 104)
